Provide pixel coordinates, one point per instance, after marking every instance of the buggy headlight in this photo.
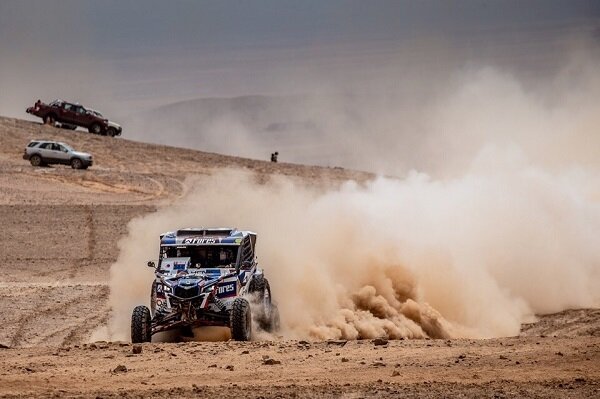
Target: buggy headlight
(166, 288)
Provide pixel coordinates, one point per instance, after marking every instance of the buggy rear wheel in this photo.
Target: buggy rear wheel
(240, 320)
(260, 288)
(141, 329)
(153, 298)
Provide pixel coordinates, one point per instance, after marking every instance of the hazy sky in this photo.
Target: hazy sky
(133, 54)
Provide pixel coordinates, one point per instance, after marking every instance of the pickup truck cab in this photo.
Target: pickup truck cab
(70, 116)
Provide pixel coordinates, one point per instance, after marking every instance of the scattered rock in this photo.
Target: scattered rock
(502, 357)
(136, 349)
(395, 373)
(337, 342)
(303, 343)
(2, 346)
(230, 368)
(380, 341)
(245, 352)
(559, 353)
(212, 366)
(379, 364)
(271, 362)
(344, 360)
(120, 369)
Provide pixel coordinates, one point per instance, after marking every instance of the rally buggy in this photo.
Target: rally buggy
(206, 277)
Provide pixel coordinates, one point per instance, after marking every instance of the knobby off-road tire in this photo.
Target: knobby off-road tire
(141, 329)
(36, 160)
(153, 299)
(240, 320)
(260, 288)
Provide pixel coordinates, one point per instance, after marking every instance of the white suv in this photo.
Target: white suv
(44, 152)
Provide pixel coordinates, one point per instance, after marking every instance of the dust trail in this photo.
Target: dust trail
(414, 257)
(506, 227)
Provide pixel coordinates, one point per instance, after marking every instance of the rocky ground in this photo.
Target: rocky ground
(60, 229)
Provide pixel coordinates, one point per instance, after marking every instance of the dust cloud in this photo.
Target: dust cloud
(414, 257)
(494, 216)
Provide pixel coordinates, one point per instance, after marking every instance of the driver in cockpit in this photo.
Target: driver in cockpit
(225, 257)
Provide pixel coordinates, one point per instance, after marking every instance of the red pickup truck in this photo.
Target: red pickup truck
(70, 116)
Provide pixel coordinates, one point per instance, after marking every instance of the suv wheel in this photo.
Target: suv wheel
(76, 163)
(95, 128)
(240, 320)
(111, 132)
(141, 325)
(35, 160)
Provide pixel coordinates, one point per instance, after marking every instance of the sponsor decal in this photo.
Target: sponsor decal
(226, 290)
(198, 240)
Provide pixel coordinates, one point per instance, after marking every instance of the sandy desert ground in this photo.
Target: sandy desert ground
(59, 236)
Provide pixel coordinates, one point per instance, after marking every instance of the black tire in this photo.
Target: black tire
(153, 299)
(240, 320)
(49, 119)
(111, 132)
(95, 128)
(36, 160)
(141, 328)
(77, 163)
(261, 290)
(275, 322)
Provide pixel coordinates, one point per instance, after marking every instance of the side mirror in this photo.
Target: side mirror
(151, 264)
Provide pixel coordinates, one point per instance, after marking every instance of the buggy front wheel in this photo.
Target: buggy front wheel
(141, 328)
(241, 320)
